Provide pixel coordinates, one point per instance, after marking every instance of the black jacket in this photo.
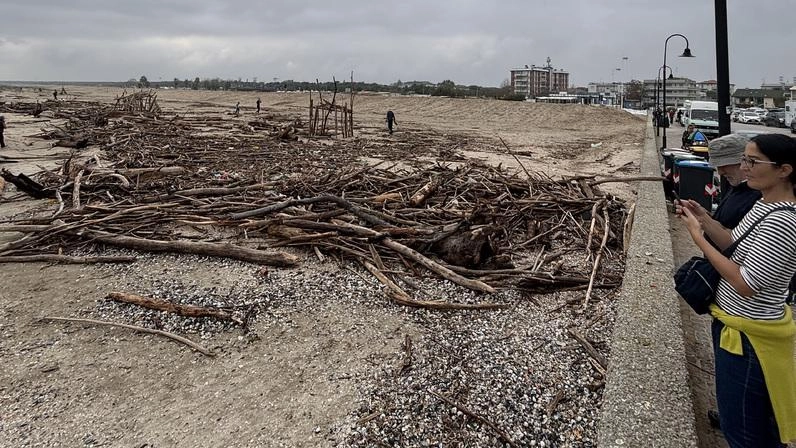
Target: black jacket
(734, 205)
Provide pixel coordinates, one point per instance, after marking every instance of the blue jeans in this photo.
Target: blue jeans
(747, 418)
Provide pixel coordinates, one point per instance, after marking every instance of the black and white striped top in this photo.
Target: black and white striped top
(767, 257)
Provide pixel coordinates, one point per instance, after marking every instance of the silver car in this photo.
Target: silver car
(749, 117)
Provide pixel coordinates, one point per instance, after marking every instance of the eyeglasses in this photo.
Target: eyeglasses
(750, 162)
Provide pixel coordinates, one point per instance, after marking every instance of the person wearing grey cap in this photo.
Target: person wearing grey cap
(725, 155)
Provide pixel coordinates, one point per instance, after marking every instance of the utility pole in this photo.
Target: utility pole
(722, 67)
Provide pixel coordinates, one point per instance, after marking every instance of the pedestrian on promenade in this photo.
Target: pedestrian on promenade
(390, 120)
(753, 329)
(2, 131)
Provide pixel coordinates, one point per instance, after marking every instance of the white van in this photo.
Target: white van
(790, 112)
(704, 115)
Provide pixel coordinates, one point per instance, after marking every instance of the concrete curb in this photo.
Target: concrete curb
(647, 400)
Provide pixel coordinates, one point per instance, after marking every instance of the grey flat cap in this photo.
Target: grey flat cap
(727, 150)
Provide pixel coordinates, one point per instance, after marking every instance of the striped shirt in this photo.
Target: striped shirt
(767, 257)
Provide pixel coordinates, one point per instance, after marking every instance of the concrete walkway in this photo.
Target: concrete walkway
(647, 398)
(660, 383)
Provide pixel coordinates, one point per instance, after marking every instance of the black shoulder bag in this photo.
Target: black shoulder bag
(696, 280)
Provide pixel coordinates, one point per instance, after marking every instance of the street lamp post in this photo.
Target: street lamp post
(686, 54)
(657, 105)
(657, 94)
(722, 67)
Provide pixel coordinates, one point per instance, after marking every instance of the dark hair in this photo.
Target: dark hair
(780, 149)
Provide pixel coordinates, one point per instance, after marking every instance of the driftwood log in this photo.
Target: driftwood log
(27, 185)
(170, 307)
(401, 297)
(226, 250)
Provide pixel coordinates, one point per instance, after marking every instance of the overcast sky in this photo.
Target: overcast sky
(467, 41)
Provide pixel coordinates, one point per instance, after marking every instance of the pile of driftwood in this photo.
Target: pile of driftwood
(166, 185)
(324, 111)
(138, 102)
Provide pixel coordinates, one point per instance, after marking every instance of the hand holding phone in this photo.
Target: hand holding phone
(678, 203)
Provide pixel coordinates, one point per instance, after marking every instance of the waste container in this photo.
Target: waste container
(696, 182)
(668, 156)
(667, 166)
(675, 173)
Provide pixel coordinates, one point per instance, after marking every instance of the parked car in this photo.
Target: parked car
(748, 117)
(775, 118)
(749, 133)
(735, 113)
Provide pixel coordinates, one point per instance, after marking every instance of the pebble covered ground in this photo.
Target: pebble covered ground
(513, 377)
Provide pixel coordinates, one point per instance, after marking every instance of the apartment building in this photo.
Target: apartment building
(677, 91)
(536, 81)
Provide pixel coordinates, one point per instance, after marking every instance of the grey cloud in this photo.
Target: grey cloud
(469, 41)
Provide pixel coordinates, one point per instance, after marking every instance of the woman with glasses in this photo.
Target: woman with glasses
(753, 329)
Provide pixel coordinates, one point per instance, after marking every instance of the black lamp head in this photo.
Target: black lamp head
(687, 53)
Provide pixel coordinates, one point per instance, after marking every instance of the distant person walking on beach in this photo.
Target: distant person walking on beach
(258, 105)
(237, 109)
(55, 95)
(2, 130)
(390, 120)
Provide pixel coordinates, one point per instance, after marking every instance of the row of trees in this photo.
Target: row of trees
(634, 90)
(445, 88)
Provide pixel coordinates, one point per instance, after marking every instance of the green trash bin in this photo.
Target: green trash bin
(696, 182)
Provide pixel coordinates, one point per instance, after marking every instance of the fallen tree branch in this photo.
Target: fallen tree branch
(60, 203)
(626, 179)
(220, 191)
(166, 334)
(515, 157)
(226, 250)
(421, 259)
(26, 228)
(401, 297)
(170, 307)
(593, 353)
(598, 258)
(76, 190)
(274, 207)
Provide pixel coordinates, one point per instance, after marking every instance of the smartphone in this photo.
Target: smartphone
(677, 201)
